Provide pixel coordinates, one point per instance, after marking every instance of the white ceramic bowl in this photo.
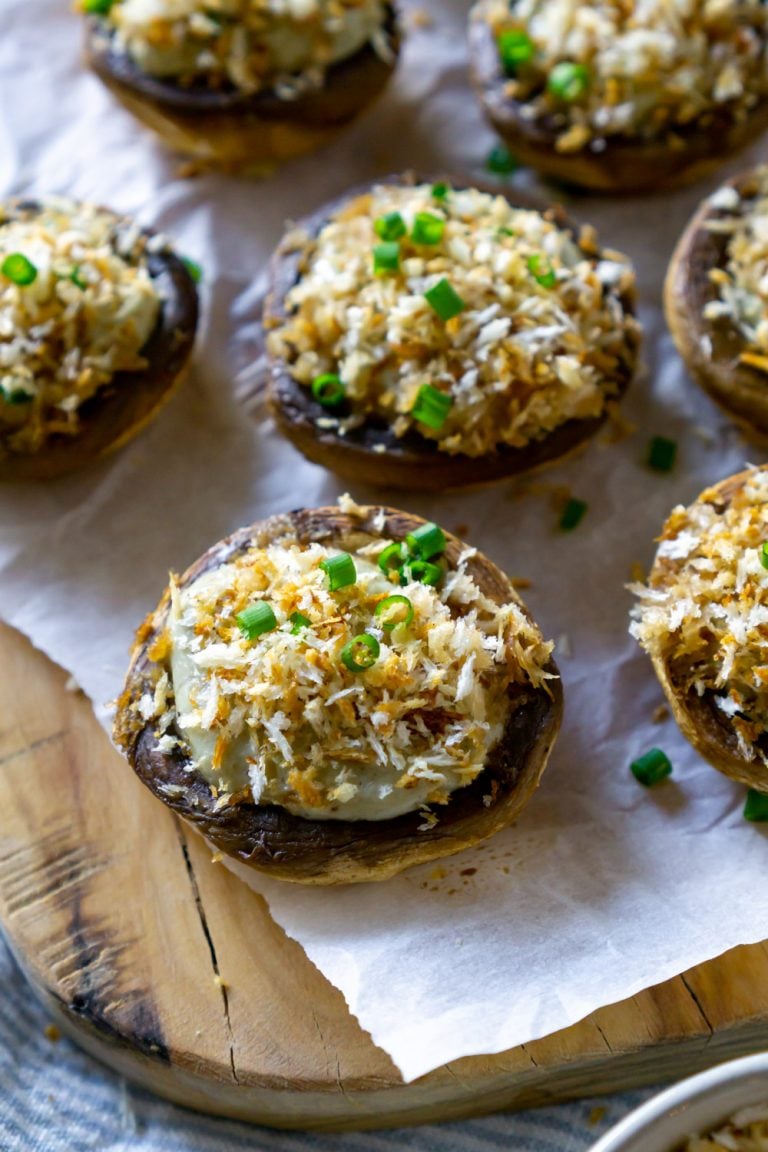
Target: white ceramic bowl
(693, 1107)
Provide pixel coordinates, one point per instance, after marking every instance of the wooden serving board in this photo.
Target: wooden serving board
(171, 971)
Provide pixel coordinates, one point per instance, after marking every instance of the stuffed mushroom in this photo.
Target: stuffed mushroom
(334, 695)
(433, 335)
(97, 323)
(716, 299)
(703, 619)
(243, 84)
(622, 96)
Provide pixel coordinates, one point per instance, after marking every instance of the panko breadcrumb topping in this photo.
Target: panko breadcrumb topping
(742, 283)
(705, 609)
(644, 69)
(248, 44)
(747, 1131)
(543, 334)
(282, 717)
(77, 305)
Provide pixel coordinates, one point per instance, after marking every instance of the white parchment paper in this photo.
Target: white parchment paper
(602, 888)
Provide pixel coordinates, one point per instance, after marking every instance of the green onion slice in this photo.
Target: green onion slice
(444, 300)
(194, 269)
(386, 258)
(568, 81)
(340, 570)
(427, 229)
(18, 269)
(426, 541)
(573, 514)
(390, 227)
(16, 396)
(515, 48)
(77, 279)
(360, 653)
(392, 558)
(421, 572)
(651, 768)
(328, 390)
(440, 190)
(299, 622)
(542, 271)
(661, 454)
(431, 407)
(393, 611)
(501, 161)
(764, 554)
(256, 619)
(98, 7)
(756, 806)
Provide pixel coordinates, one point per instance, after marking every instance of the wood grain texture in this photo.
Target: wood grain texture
(172, 972)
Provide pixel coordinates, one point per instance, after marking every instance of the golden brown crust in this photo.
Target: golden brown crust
(624, 165)
(121, 409)
(371, 453)
(234, 130)
(711, 349)
(703, 724)
(272, 840)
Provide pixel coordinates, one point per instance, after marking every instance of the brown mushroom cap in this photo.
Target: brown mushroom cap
(119, 410)
(711, 349)
(625, 165)
(371, 453)
(287, 847)
(235, 129)
(703, 724)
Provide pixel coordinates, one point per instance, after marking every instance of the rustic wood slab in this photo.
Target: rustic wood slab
(124, 928)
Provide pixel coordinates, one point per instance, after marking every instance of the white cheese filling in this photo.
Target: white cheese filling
(282, 717)
(543, 336)
(248, 43)
(77, 305)
(705, 609)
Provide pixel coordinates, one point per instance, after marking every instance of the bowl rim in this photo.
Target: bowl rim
(688, 1091)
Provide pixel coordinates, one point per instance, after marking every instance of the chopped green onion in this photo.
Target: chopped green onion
(440, 190)
(426, 541)
(573, 514)
(256, 619)
(444, 300)
(194, 269)
(16, 396)
(392, 558)
(77, 279)
(427, 229)
(764, 554)
(652, 767)
(328, 390)
(393, 611)
(756, 806)
(360, 653)
(568, 81)
(340, 570)
(542, 271)
(515, 48)
(386, 258)
(99, 7)
(390, 227)
(299, 622)
(661, 454)
(18, 269)
(431, 407)
(501, 161)
(421, 571)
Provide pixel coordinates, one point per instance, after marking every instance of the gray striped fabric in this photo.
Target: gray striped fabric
(54, 1098)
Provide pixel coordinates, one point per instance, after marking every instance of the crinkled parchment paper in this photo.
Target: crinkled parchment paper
(602, 888)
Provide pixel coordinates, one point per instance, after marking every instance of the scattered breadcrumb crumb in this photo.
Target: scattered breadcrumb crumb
(520, 583)
(418, 18)
(219, 982)
(596, 1114)
(660, 714)
(52, 1033)
(637, 572)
